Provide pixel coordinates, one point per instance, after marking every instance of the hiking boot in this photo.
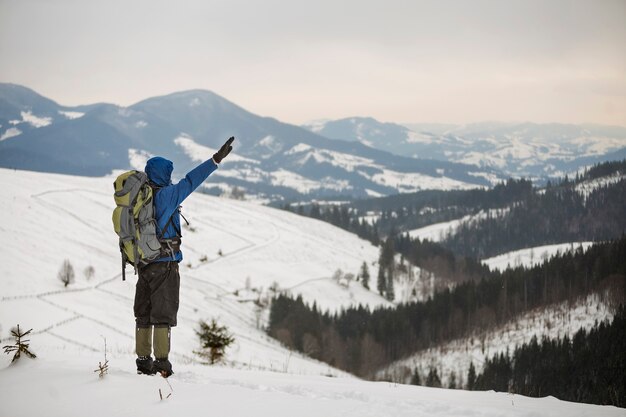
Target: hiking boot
(163, 367)
(145, 365)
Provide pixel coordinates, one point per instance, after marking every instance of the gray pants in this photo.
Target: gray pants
(156, 304)
(156, 295)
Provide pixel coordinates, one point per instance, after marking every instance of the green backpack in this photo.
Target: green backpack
(133, 220)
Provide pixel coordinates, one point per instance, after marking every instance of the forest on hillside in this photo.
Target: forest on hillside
(361, 341)
(561, 212)
(589, 367)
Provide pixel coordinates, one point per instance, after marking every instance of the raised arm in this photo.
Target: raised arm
(196, 176)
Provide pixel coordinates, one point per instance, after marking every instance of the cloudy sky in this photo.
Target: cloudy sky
(403, 61)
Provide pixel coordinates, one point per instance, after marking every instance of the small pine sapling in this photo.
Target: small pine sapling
(215, 338)
(20, 346)
(103, 368)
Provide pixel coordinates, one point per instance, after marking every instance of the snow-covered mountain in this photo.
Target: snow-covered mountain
(271, 159)
(236, 255)
(518, 149)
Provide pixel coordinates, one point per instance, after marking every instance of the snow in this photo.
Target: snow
(317, 125)
(587, 187)
(598, 145)
(440, 231)
(71, 114)
(412, 182)
(343, 160)
(271, 144)
(530, 257)
(201, 153)
(492, 178)
(249, 174)
(304, 185)
(414, 137)
(260, 247)
(301, 147)
(455, 356)
(35, 121)
(137, 158)
(372, 193)
(10, 132)
(70, 388)
(371, 217)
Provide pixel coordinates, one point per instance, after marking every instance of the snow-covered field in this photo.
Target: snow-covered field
(234, 253)
(532, 256)
(67, 387)
(54, 217)
(557, 321)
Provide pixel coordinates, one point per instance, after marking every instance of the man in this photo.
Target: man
(156, 294)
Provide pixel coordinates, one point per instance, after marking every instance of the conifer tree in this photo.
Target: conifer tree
(415, 379)
(20, 346)
(471, 377)
(215, 338)
(452, 383)
(432, 380)
(365, 276)
(390, 293)
(381, 284)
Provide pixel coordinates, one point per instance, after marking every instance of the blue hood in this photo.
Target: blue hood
(159, 171)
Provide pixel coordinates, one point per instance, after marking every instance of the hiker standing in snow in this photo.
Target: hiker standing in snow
(156, 295)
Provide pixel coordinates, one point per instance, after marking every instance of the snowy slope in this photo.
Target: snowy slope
(440, 231)
(557, 321)
(532, 256)
(587, 187)
(55, 217)
(68, 388)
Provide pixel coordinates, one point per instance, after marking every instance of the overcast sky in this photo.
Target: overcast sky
(401, 61)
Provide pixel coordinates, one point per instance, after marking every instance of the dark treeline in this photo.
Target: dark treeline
(498, 196)
(435, 258)
(560, 214)
(603, 170)
(361, 341)
(340, 216)
(411, 211)
(590, 368)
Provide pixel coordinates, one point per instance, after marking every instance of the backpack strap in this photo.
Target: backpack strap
(170, 246)
(169, 221)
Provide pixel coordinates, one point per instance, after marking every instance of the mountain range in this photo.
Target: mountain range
(537, 151)
(275, 161)
(272, 160)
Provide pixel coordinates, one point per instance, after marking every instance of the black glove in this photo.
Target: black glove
(224, 150)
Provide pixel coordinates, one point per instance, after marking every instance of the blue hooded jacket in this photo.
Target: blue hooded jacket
(170, 196)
